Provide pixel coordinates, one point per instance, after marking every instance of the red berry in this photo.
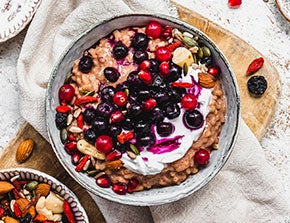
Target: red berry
(119, 188)
(201, 156)
(75, 158)
(145, 65)
(70, 147)
(114, 155)
(104, 144)
(164, 69)
(153, 29)
(116, 116)
(163, 54)
(189, 102)
(66, 92)
(103, 181)
(167, 33)
(145, 76)
(149, 104)
(214, 71)
(234, 3)
(132, 184)
(120, 98)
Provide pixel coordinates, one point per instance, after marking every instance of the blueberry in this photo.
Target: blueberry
(120, 51)
(174, 96)
(86, 64)
(193, 119)
(105, 109)
(111, 74)
(158, 82)
(140, 41)
(161, 97)
(128, 123)
(61, 120)
(157, 115)
(133, 79)
(154, 67)
(172, 110)
(141, 126)
(121, 147)
(174, 73)
(165, 129)
(90, 135)
(207, 61)
(123, 86)
(135, 110)
(99, 125)
(146, 140)
(107, 93)
(143, 95)
(89, 115)
(257, 85)
(139, 56)
(115, 130)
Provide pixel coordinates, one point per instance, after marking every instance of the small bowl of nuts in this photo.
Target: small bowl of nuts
(28, 195)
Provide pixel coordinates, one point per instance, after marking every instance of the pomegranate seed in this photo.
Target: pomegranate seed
(163, 54)
(132, 184)
(75, 158)
(149, 104)
(66, 92)
(214, 71)
(167, 33)
(189, 102)
(120, 98)
(234, 3)
(201, 156)
(104, 143)
(145, 65)
(70, 147)
(114, 155)
(103, 181)
(119, 188)
(153, 29)
(164, 69)
(116, 116)
(145, 76)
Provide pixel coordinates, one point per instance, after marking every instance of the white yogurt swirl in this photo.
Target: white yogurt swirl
(149, 163)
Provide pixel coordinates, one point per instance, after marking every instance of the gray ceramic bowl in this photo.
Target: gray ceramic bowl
(56, 186)
(160, 195)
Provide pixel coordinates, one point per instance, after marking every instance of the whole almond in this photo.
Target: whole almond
(114, 165)
(42, 189)
(8, 219)
(206, 80)
(5, 187)
(25, 207)
(24, 150)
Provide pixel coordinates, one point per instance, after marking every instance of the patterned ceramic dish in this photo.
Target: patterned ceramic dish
(154, 196)
(17, 176)
(14, 16)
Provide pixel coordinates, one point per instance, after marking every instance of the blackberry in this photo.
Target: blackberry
(257, 85)
(61, 120)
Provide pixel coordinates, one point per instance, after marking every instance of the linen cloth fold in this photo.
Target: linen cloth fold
(247, 189)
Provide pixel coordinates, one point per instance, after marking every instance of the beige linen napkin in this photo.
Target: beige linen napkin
(247, 189)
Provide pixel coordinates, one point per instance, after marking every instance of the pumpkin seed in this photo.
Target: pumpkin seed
(68, 79)
(92, 173)
(206, 51)
(31, 185)
(90, 93)
(134, 149)
(127, 91)
(185, 69)
(190, 42)
(200, 53)
(63, 135)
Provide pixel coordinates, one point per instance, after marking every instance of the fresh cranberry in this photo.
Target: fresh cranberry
(145, 65)
(167, 33)
(164, 69)
(153, 29)
(214, 71)
(234, 3)
(103, 181)
(104, 143)
(189, 102)
(119, 188)
(116, 116)
(75, 158)
(201, 156)
(145, 76)
(163, 54)
(120, 98)
(70, 147)
(149, 104)
(66, 92)
(132, 184)
(114, 155)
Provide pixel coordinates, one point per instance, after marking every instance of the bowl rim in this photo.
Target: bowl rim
(118, 198)
(44, 175)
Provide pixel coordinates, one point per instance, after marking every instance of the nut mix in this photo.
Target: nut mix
(24, 201)
(142, 108)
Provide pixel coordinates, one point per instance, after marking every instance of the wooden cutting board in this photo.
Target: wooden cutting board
(257, 112)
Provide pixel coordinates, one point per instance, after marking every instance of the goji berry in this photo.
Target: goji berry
(85, 100)
(255, 65)
(81, 165)
(124, 137)
(182, 84)
(174, 45)
(63, 109)
(17, 210)
(80, 121)
(68, 212)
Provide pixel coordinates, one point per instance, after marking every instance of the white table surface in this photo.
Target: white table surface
(257, 22)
